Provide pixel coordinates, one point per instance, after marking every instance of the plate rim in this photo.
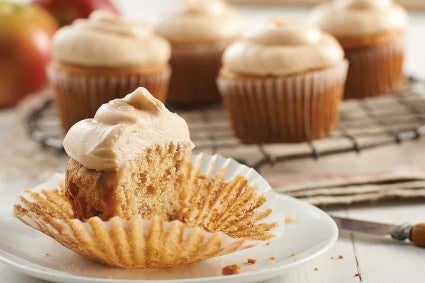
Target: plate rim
(46, 273)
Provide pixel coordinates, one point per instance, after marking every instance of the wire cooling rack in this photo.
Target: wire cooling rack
(364, 124)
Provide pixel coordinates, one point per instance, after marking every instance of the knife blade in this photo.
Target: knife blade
(415, 233)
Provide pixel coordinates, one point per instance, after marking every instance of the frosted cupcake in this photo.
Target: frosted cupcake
(198, 33)
(283, 82)
(133, 198)
(371, 33)
(102, 58)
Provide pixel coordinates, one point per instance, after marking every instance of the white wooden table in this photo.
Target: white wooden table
(365, 259)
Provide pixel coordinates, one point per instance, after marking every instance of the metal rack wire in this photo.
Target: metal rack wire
(364, 124)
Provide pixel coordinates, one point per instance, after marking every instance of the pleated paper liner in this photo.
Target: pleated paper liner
(375, 70)
(216, 220)
(195, 68)
(79, 93)
(288, 109)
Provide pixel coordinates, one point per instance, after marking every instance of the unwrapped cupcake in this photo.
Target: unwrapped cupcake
(198, 33)
(371, 33)
(133, 198)
(102, 58)
(283, 82)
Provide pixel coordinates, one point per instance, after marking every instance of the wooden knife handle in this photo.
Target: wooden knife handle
(417, 235)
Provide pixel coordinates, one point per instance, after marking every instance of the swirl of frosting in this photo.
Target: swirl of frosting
(201, 21)
(282, 48)
(105, 40)
(359, 17)
(122, 129)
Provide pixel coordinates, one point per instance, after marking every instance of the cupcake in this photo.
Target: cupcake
(371, 33)
(283, 82)
(133, 198)
(102, 58)
(133, 146)
(198, 34)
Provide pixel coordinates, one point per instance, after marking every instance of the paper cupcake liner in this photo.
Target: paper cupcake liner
(143, 243)
(284, 109)
(79, 94)
(375, 70)
(195, 69)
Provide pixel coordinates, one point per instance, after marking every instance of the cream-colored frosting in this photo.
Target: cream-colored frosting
(359, 17)
(282, 48)
(122, 129)
(201, 21)
(106, 40)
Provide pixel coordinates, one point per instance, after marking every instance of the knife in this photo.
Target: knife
(415, 233)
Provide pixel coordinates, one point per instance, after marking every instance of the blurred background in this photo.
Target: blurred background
(377, 151)
(31, 132)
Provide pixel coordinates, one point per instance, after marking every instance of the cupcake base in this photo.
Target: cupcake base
(287, 109)
(195, 69)
(375, 70)
(79, 92)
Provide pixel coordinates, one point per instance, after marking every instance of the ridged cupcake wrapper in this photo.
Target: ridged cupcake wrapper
(195, 69)
(284, 109)
(79, 95)
(141, 243)
(374, 71)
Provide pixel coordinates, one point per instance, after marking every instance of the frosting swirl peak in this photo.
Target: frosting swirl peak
(105, 40)
(201, 21)
(282, 48)
(101, 20)
(281, 32)
(122, 129)
(359, 17)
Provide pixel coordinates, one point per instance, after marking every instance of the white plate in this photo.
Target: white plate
(35, 254)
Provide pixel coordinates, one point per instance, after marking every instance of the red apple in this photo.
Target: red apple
(25, 48)
(66, 11)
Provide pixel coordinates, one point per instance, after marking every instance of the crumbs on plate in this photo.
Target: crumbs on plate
(251, 261)
(290, 218)
(231, 269)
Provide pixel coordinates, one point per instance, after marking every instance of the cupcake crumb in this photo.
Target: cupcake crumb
(268, 243)
(337, 257)
(47, 254)
(290, 218)
(315, 269)
(357, 274)
(272, 258)
(251, 261)
(231, 269)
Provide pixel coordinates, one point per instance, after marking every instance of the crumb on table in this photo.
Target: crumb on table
(290, 218)
(231, 269)
(315, 269)
(272, 258)
(292, 254)
(338, 257)
(357, 274)
(251, 261)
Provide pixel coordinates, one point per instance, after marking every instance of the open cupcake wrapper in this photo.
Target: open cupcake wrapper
(141, 243)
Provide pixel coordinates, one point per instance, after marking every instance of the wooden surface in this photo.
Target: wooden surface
(364, 259)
